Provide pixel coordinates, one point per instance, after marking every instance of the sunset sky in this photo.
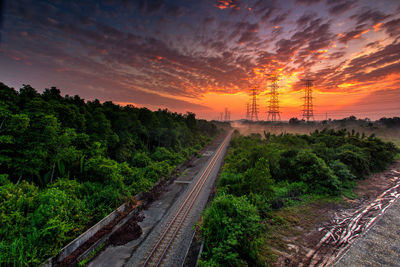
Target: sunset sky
(202, 56)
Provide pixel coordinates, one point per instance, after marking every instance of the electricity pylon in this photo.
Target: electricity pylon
(247, 111)
(273, 107)
(254, 106)
(308, 111)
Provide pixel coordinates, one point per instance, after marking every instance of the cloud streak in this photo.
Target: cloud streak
(171, 53)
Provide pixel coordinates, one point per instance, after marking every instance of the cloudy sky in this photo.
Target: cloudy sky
(203, 56)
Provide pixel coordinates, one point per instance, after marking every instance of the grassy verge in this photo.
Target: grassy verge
(91, 255)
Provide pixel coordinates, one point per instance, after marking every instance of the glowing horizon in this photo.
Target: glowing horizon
(202, 56)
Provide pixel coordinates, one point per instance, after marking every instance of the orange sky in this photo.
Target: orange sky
(203, 56)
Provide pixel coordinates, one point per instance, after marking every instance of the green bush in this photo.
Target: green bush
(314, 172)
(279, 171)
(343, 173)
(163, 154)
(140, 160)
(35, 222)
(231, 183)
(101, 169)
(255, 180)
(232, 231)
(258, 179)
(355, 159)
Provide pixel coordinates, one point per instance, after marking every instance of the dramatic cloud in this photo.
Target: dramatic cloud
(280, 18)
(223, 4)
(308, 2)
(351, 35)
(341, 7)
(392, 27)
(380, 67)
(307, 17)
(150, 6)
(177, 54)
(366, 15)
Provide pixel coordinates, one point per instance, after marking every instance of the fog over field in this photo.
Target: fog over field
(391, 134)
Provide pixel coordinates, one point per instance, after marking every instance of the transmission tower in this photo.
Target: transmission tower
(227, 115)
(273, 107)
(247, 111)
(254, 106)
(308, 112)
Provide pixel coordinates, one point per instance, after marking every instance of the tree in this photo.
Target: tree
(52, 93)
(294, 121)
(191, 121)
(67, 163)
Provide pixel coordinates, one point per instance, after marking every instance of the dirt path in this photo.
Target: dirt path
(316, 233)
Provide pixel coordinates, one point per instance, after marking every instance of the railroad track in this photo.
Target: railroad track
(161, 247)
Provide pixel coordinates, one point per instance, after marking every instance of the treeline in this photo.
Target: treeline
(264, 174)
(66, 163)
(352, 121)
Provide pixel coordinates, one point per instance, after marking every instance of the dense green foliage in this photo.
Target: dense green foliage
(235, 221)
(66, 163)
(262, 174)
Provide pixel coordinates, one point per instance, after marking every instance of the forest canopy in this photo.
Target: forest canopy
(66, 163)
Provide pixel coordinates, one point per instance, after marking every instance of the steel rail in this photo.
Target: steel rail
(183, 211)
(197, 187)
(199, 184)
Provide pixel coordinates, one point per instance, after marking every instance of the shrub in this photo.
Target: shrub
(316, 174)
(258, 179)
(354, 158)
(231, 183)
(282, 169)
(100, 169)
(140, 160)
(232, 229)
(343, 173)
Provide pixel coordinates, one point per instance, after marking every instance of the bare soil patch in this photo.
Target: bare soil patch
(128, 232)
(295, 232)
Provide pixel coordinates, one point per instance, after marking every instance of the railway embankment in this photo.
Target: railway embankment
(157, 215)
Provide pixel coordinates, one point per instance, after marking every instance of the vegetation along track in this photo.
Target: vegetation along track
(159, 250)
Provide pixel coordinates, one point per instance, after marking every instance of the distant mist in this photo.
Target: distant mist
(386, 133)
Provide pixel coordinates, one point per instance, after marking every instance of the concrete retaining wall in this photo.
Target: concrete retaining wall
(76, 243)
